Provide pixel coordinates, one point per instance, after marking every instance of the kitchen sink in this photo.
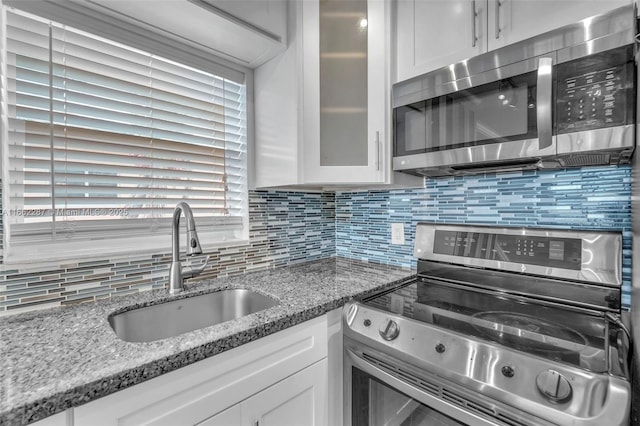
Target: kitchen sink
(192, 313)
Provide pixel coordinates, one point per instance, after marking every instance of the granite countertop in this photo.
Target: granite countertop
(64, 357)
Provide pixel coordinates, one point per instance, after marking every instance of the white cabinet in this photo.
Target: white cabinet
(246, 32)
(344, 88)
(297, 400)
(510, 21)
(431, 34)
(268, 17)
(334, 362)
(61, 419)
(322, 108)
(230, 416)
(210, 390)
(293, 377)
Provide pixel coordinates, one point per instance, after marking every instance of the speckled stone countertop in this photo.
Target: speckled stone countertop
(60, 358)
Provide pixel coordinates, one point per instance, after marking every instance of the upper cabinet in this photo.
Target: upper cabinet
(434, 33)
(345, 102)
(510, 21)
(245, 32)
(322, 108)
(268, 17)
(430, 34)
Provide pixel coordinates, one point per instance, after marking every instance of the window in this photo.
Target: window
(101, 141)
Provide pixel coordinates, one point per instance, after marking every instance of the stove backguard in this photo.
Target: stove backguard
(580, 256)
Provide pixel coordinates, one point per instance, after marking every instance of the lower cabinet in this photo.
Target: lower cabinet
(61, 419)
(230, 416)
(279, 379)
(298, 400)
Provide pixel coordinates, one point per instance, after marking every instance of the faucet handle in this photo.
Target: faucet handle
(193, 243)
(190, 272)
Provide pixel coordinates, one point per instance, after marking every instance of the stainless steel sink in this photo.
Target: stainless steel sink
(192, 313)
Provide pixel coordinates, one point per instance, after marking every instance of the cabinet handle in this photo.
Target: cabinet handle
(474, 14)
(378, 159)
(543, 108)
(498, 6)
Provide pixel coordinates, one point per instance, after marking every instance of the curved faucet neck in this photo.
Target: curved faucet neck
(193, 247)
(181, 208)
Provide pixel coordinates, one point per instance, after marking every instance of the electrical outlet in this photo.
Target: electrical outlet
(397, 233)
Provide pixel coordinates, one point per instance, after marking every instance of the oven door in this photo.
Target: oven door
(499, 116)
(373, 397)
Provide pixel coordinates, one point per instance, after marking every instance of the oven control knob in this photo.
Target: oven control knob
(389, 329)
(554, 386)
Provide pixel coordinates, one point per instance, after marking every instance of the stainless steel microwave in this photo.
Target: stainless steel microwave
(565, 98)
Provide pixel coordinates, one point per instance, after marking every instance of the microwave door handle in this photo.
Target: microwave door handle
(543, 108)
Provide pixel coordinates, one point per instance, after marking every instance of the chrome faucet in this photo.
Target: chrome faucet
(177, 274)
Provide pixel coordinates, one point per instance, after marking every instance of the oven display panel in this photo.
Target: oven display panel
(563, 253)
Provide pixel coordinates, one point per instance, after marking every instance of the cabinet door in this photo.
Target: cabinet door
(511, 21)
(345, 91)
(431, 34)
(299, 400)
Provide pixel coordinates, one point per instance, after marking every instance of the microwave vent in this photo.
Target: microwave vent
(597, 158)
(586, 160)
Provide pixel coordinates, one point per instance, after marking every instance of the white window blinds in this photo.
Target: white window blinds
(103, 140)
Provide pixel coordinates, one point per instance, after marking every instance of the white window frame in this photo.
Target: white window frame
(62, 252)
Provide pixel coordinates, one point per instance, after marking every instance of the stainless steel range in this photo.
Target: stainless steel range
(501, 326)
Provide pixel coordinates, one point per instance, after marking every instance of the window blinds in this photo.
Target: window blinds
(104, 140)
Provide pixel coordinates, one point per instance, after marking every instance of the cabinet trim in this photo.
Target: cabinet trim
(229, 17)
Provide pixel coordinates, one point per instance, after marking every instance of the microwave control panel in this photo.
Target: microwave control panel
(595, 91)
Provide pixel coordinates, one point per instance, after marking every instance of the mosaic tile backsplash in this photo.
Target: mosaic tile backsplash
(285, 227)
(289, 227)
(586, 198)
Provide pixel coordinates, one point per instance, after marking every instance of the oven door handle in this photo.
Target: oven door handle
(544, 102)
(413, 392)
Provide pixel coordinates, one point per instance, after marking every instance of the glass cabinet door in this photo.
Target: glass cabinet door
(346, 107)
(343, 83)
